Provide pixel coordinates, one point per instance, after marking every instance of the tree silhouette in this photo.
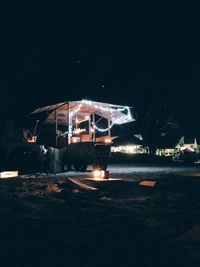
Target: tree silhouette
(157, 119)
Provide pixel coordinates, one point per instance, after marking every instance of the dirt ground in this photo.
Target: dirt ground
(51, 221)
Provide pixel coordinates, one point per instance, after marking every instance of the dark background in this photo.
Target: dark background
(118, 53)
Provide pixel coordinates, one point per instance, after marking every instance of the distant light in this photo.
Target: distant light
(130, 149)
(9, 174)
(103, 86)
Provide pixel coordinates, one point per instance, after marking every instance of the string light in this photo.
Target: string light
(78, 131)
(100, 129)
(121, 120)
(71, 114)
(124, 118)
(111, 110)
(87, 117)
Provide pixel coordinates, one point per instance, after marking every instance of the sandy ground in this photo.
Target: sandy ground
(51, 221)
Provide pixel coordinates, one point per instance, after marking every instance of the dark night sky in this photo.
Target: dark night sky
(112, 53)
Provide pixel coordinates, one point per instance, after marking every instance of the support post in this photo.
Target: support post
(76, 122)
(89, 125)
(56, 127)
(69, 124)
(109, 130)
(93, 122)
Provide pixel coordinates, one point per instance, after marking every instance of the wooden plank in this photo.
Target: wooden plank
(148, 183)
(82, 185)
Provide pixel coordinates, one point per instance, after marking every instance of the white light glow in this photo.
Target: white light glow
(78, 131)
(119, 120)
(75, 139)
(108, 140)
(99, 174)
(130, 149)
(92, 130)
(124, 118)
(87, 117)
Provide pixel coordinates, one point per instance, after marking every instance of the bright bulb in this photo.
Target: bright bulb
(99, 174)
(78, 131)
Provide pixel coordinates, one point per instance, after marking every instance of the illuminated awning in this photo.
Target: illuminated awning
(80, 110)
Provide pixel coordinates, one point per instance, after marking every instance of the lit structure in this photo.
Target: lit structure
(169, 147)
(130, 149)
(129, 144)
(73, 113)
(189, 142)
(88, 138)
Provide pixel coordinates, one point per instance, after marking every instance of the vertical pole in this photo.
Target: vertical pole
(89, 125)
(93, 121)
(76, 123)
(109, 130)
(56, 127)
(69, 124)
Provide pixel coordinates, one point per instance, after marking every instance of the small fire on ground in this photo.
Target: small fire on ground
(100, 174)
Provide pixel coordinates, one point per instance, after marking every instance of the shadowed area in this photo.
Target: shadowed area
(50, 221)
